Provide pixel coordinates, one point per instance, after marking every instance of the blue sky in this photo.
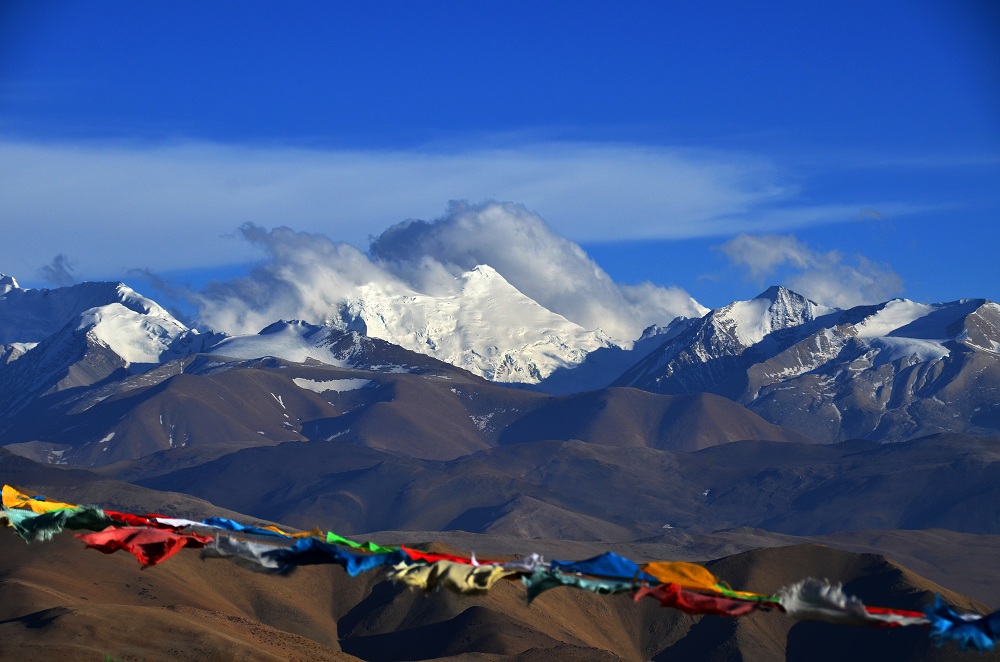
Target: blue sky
(851, 149)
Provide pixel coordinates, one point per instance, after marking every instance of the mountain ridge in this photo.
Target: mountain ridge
(887, 372)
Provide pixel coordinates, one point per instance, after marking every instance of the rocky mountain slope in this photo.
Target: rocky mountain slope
(382, 397)
(887, 372)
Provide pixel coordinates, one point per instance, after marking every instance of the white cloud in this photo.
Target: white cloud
(306, 276)
(550, 269)
(112, 207)
(829, 278)
(59, 272)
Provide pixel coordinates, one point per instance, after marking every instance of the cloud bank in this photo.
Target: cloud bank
(829, 278)
(306, 275)
(111, 207)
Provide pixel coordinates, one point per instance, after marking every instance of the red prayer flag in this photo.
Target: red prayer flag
(432, 557)
(138, 520)
(691, 602)
(904, 615)
(150, 546)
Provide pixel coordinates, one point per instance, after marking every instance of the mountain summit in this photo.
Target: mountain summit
(489, 328)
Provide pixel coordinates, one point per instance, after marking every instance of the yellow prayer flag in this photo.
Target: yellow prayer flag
(14, 499)
(315, 533)
(686, 575)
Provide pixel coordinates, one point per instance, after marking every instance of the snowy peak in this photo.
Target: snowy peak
(28, 315)
(791, 308)
(981, 328)
(138, 303)
(487, 327)
(662, 334)
(975, 321)
(7, 283)
(80, 335)
(746, 323)
(733, 328)
(482, 272)
(113, 315)
(136, 337)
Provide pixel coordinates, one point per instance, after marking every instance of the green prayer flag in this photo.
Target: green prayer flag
(333, 538)
(41, 527)
(542, 580)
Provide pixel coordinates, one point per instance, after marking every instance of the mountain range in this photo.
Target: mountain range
(752, 438)
(95, 373)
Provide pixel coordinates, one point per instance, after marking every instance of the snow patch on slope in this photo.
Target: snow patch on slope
(338, 385)
(752, 322)
(7, 283)
(893, 349)
(295, 342)
(136, 337)
(894, 315)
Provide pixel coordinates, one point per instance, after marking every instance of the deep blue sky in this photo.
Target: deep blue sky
(871, 129)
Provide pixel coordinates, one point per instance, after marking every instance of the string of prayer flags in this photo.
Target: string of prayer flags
(273, 531)
(149, 545)
(175, 522)
(893, 618)
(688, 575)
(688, 587)
(130, 519)
(278, 559)
(527, 564)
(244, 553)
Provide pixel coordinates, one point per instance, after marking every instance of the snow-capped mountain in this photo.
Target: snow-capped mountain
(711, 349)
(489, 328)
(891, 371)
(76, 336)
(32, 315)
